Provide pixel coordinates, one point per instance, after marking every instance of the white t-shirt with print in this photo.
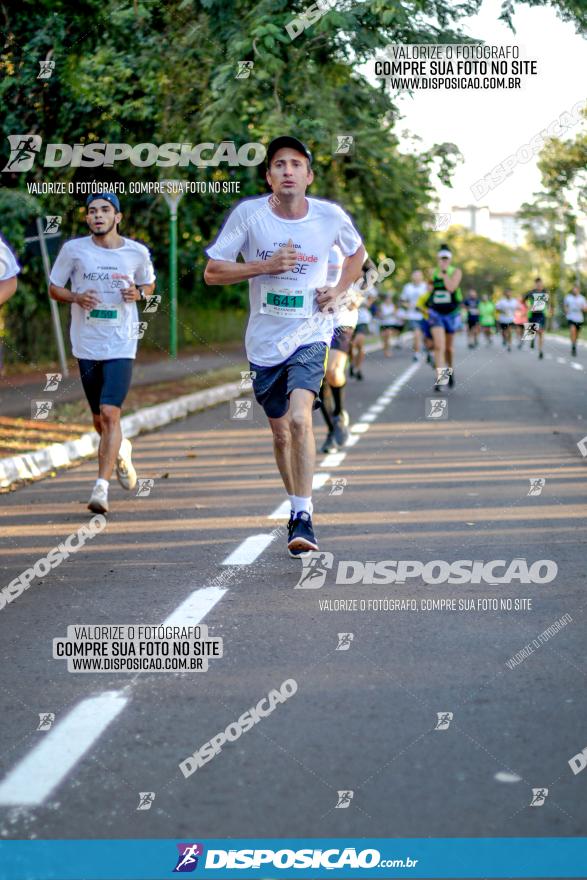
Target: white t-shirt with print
(110, 330)
(574, 305)
(342, 316)
(507, 308)
(284, 313)
(8, 265)
(410, 296)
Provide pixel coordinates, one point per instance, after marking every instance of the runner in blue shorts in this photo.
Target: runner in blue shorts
(284, 239)
(444, 302)
(108, 275)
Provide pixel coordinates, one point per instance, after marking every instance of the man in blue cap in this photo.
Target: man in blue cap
(108, 275)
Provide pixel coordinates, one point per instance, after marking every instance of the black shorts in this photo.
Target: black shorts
(303, 369)
(537, 318)
(398, 327)
(342, 339)
(105, 382)
(472, 320)
(361, 328)
(503, 325)
(577, 324)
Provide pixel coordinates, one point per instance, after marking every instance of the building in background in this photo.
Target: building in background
(501, 226)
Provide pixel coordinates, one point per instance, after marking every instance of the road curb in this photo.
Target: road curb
(34, 465)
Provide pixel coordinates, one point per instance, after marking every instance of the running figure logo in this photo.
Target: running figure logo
(46, 719)
(338, 485)
(153, 303)
(539, 300)
(53, 380)
(137, 329)
(530, 331)
(24, 148)
(443, 374)
(582, 446)
(40, 409)
(436, 408)
(539, 795)
(47, 68)
(188, 857)
(344, 641)
(247, 379)
(146, 799)
(144, 486)
(344, 799)
(536, 486)
(52, 224)
(444, 719)
(344, 145)
(244, 69)
(241, 409)
(315, 567)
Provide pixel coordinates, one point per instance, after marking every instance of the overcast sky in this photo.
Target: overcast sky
(488, 126)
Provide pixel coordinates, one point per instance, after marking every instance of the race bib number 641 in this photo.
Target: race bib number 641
(286, 302)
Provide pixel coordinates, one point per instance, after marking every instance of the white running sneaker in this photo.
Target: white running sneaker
(98, 502)
(127, 476)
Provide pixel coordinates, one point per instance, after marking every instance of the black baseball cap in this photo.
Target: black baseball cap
(286, 141)
(107, 196)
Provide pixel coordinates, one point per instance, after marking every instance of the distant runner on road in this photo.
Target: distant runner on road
(537, 300)
(108, 275)
(507, 306)
(9, 269)
(411, 293)
(472, 305)
(284, 240)
(575, 308)
(444, 317)
(487, 317)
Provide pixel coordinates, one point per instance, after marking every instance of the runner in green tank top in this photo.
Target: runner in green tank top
(444, 302)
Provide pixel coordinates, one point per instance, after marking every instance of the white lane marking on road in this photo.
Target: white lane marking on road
(320, 480)
(369, 417)
(42, 770)
(352, 440)
(248, 551)
(282, 512)
(360, 428)
(576, 366)
(376, 408)
(334, 459)
(548, 356)
(504, 776)
(193, 609)
(561, 360)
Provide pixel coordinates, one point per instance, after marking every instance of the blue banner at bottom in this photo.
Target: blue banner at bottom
(305, 858)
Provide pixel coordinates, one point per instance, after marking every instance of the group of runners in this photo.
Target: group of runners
(312, 304)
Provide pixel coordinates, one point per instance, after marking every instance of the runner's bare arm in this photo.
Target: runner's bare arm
(227, 272)
(87, 300)
(351, 270)
(7, 289)
(454, 281)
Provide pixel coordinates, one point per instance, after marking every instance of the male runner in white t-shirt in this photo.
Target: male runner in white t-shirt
(575, 307)
(109, 274)
(284, 240)
(506, 307)
(411, 293)
(9, 269)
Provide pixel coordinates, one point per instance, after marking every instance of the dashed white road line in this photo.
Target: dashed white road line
(45, 767)
(576, 366)
(40, 772)
(247, 552)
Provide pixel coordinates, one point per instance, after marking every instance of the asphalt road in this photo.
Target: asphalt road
(363, 719)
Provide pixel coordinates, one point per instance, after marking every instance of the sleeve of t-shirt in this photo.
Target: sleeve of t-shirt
(62, 267)
(231, 239)
(8, 265)
(348, 239)
(145, 273)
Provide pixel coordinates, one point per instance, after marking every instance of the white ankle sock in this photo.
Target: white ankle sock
(300, 504)
(102, 483)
